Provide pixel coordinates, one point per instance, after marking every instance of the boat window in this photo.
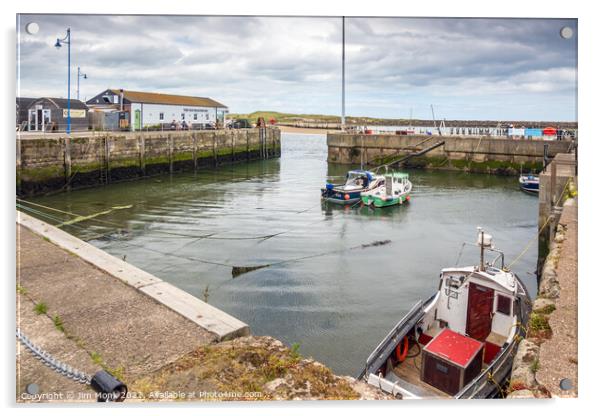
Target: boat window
(454, 281)
(504, 304)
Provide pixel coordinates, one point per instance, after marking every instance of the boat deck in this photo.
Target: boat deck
(409, 372)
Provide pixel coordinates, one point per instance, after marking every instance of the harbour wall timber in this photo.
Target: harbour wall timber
(49, 163)
(483, 154)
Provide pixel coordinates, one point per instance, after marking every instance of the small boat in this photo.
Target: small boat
(460, 343)
(529, 183)
(356, 182)
(395, 191)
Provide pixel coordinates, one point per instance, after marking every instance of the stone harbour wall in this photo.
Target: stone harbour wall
(47, 163)
(468, 153)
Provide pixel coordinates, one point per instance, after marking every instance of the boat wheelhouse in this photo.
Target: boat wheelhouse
(460, 343)
(356, 182)
(395, 191)
(529, 183)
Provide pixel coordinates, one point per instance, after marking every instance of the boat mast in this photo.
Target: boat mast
(343, 80)
(482, 244)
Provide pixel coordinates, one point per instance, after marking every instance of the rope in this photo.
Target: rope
(68, 213)
(215, 263)
(491, 379)
(540, 230)
(207, 236)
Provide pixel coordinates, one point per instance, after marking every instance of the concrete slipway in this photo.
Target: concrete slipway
(109, 313)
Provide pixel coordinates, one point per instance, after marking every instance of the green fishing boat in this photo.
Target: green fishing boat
(395, 191)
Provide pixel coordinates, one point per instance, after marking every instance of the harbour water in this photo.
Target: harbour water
(328, 287)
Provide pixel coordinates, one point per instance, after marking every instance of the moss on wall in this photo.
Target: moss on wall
(42, 160)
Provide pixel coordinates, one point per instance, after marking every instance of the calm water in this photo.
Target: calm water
(189, 229)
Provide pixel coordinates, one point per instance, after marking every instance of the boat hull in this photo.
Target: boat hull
(531, 188)
(378, 202)
(341, 197)
(529, 184)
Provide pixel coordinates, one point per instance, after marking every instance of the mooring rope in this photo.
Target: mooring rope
(236, 269)
(92, 217)
(530, 243)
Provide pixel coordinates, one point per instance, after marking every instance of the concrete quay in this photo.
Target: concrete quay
(96, 311)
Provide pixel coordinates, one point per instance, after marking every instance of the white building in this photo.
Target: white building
(140, 110)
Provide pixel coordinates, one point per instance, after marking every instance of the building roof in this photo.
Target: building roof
(25, 102)
(62, 103)
(157, 98)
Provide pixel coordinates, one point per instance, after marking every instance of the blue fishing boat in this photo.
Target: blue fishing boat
(529, 183)
(350, 192)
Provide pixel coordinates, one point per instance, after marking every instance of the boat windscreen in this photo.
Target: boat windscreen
(358, 178)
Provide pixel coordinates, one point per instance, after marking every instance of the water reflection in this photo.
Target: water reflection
(320, 289)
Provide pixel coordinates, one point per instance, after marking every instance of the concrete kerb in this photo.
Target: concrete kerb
(218, 322)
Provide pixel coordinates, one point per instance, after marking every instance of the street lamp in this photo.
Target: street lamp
(343, 78)
(58, 44)
(80, 75)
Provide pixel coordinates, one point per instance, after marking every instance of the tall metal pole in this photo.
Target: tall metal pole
(343, 81)
(69, 80)
(78, 75)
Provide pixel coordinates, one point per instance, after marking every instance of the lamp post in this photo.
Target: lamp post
(80, 75)
(58, 44)
(343, 79)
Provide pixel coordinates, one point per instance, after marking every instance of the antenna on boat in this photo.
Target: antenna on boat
(362, 155)
(483, 241)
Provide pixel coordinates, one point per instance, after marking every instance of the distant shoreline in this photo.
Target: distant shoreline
(305, 130)
(317, 120)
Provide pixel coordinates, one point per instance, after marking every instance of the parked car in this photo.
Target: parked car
(240, 123)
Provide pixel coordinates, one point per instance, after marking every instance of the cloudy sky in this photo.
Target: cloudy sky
(496, 69)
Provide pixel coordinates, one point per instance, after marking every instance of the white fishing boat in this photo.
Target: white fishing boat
(395, 191)
(460, 343)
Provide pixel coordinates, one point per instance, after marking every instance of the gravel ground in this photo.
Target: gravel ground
(558, 355)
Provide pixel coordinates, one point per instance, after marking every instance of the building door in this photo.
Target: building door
(137, 120)
(480, 312)
(46, 119)
(32, 120)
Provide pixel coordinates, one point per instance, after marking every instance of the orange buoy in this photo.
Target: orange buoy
(398, 353)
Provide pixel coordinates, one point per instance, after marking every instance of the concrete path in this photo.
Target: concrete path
(106, 321)
(558, 355)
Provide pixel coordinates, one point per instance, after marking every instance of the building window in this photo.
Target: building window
(161, 116)
(195, 116)
(183, 116)
(504, 304)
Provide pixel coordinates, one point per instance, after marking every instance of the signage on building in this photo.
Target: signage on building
(195, 110)
(75, 113)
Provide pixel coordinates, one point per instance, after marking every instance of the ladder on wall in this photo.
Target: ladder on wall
(102, 161)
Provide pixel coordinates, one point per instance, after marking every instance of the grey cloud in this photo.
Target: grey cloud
(259, 62)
